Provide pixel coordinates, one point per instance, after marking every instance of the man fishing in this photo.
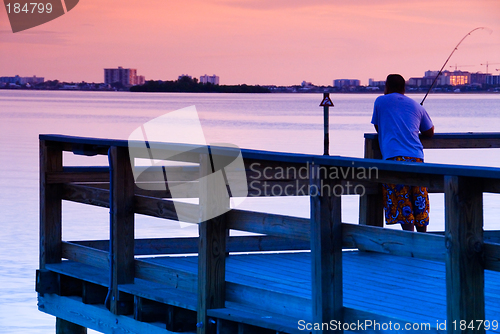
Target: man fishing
(398, 120)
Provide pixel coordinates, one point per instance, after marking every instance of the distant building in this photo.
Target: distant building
(22, 80)
(339, 83)
(306, 84)
(479, 78)
(126, 76)
(455, 78)
(140, 80)
(459, 78)
(214, 79)
(493, 80)
(184, 75)
(373, 83)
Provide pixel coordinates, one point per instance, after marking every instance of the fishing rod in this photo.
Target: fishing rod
(446, 62)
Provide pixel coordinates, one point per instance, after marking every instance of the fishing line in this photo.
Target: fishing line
(446, 62)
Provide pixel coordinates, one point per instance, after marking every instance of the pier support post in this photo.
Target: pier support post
(122, 227)
(66, 327)
(212, 243)
(371, 206)
(465, 253)
(326, 251)
(50, 204)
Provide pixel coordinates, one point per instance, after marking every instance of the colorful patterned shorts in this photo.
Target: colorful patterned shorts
(406, 204)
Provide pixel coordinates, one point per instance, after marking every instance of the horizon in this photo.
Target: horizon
(256, 42)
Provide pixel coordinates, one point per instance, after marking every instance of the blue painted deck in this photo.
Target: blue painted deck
(397, 287)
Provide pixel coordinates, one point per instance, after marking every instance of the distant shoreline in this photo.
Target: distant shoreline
(253, 92)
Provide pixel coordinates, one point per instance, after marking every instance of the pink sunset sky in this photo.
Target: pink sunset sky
(280, 42)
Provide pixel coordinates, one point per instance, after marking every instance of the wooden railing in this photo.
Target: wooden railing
(371, 207)
(466, 249)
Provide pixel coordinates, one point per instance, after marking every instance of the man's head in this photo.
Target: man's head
(394, 83)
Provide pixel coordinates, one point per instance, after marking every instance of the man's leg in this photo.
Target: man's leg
(421, 228)
(421, 208)
(408, 227)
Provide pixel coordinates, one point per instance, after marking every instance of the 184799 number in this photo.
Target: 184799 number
(31, 8)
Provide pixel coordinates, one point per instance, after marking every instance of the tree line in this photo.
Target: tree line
(189, 85)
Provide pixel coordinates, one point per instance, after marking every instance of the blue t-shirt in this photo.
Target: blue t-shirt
(399, 120)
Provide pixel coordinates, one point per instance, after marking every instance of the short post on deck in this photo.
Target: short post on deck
(326, 103)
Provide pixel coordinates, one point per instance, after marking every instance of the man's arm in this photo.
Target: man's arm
(428, 133)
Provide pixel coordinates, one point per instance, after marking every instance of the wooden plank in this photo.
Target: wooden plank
(184, 245)
(271, 224)
(166, 209)
(454, 143)
(456, 140)
(411, 179)
(268, 300)
(66, 327)
(174, 173)
(150, 206)
(326, 254)
(412, 173)
(243, 314)
(465, 251)
(95, 317)
(161, 293)
(86, 255)
(122, 212)
(214, 201)
(492, 256)
(50, 205)
(491, 186)
(155, 207)
(66, 177)
(180, 189)
(178, 279)
(80, 271)
(377, 323)
(85, 195)
(396, 242)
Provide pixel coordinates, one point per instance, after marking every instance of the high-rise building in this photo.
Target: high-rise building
(214, 79)
(345, 83)
(126, 76)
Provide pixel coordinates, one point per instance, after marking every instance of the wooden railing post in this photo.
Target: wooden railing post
(465, 255)
(371, 206)
(50, 204)
(326, 250)
(122, 226)
(212, 244)
(66, 327)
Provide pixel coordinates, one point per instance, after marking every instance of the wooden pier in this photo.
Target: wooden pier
(293, 273)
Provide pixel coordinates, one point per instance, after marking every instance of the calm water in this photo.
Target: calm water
(288, 122)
